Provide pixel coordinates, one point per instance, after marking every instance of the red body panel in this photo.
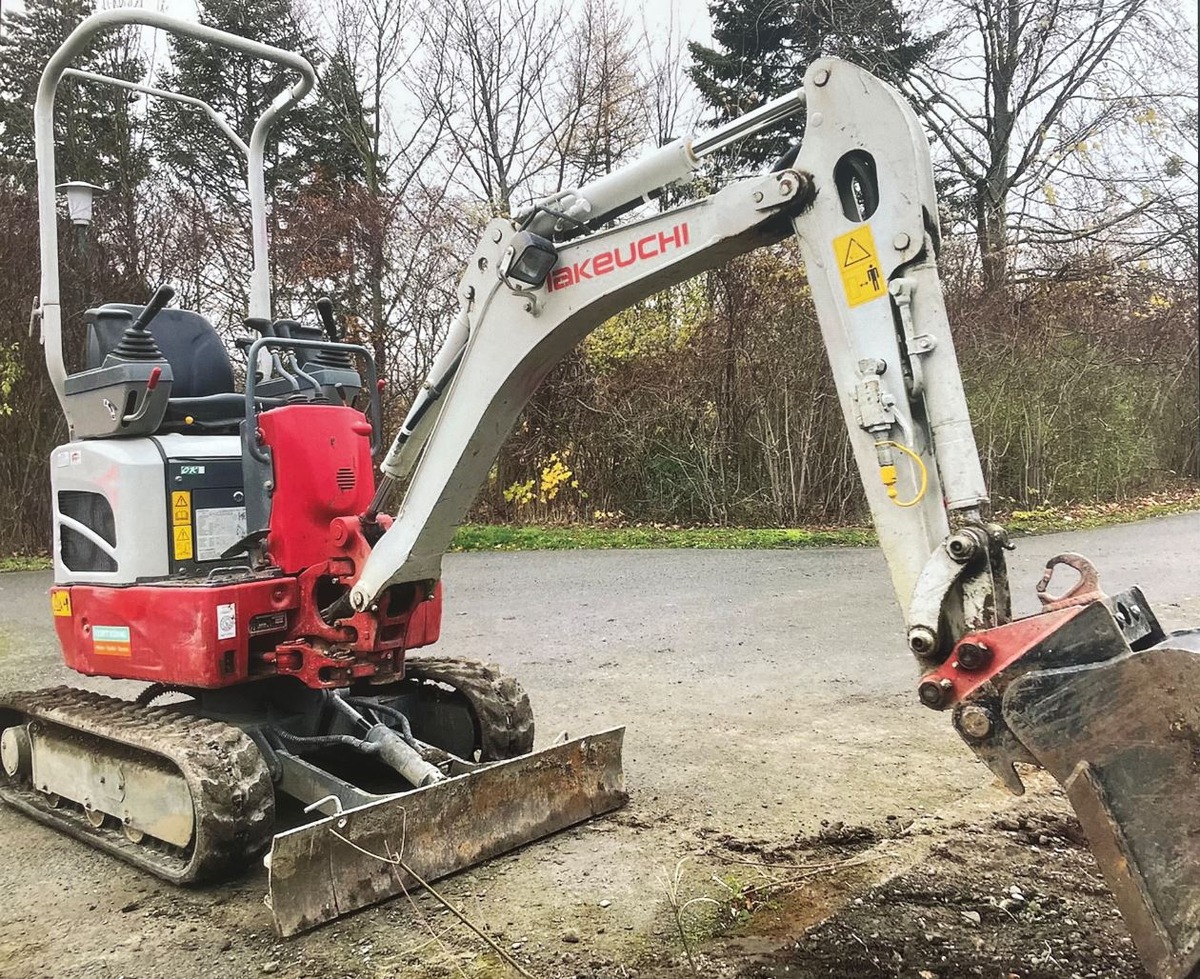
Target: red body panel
(321, 456)
(425, 623)
(176, 633)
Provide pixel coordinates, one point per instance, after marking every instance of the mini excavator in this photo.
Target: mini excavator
(235, 549)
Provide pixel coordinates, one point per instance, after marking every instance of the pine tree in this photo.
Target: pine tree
(302, 144)
(354, 151)
(763, 48)
(97, 136)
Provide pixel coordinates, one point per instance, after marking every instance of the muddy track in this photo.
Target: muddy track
(231, 791)
(503, 715)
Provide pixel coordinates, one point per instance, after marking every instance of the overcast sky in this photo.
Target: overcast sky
(690, 16)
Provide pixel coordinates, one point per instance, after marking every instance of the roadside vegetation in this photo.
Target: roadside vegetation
(1042, 520)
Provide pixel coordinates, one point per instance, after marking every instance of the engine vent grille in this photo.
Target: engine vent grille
(346, 480)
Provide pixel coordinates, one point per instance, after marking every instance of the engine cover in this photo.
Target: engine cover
(142, 509)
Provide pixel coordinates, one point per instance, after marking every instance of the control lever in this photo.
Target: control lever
(162, 295)
(260, 325)
(339, 360)
(325, 311)
(268, 361)
(151, 384)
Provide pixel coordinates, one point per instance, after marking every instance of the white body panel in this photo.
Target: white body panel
(131, 475)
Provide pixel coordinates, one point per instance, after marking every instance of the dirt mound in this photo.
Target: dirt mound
(1019, 897)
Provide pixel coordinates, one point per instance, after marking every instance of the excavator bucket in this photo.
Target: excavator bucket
(364, 855)
(1123, 739)
(1098, 696)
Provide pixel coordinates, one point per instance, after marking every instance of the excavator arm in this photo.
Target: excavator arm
(1090, 688)
(860, 197)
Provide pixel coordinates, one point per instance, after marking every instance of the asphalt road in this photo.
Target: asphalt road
(763, 692)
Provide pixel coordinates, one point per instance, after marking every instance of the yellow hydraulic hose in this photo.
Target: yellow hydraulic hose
(888, 474)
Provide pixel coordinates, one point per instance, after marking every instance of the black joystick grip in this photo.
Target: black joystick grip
(325, 311)
(162, 295)
(137, 343)
(337, 359)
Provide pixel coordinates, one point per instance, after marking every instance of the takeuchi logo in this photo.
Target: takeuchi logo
(619, 257)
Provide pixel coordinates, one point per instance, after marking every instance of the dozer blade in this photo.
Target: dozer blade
(359, 857)
(1123, 738)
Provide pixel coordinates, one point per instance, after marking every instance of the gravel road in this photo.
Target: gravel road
(764, 692)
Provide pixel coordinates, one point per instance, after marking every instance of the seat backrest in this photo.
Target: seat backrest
(198, 358)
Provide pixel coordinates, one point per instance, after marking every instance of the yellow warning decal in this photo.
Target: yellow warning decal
(857, 260)
(183, 543)
(60, 603)
(111, 640)
(181, 508)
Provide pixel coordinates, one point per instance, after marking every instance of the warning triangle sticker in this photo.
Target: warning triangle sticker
(181, 500)
(855, 253)
(183, 534)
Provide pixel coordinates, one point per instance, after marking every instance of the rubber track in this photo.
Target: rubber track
(231, 789)
(503, 715)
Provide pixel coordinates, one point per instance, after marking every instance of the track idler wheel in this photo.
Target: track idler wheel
(15, 751)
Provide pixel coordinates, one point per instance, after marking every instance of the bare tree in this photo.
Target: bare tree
(670, 99)
(499, 59)
(1021, 97)
(372, 59)
(600, 109)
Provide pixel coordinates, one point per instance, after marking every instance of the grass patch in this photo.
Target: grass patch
(24, 562)
(483, 537)
(1021, 523)
(1053, 520)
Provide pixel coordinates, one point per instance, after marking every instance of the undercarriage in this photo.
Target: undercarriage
(192, 786)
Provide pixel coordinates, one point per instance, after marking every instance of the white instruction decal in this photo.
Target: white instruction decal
(227, 621)
(217, 530)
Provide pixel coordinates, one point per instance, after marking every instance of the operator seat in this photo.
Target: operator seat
(203, 390)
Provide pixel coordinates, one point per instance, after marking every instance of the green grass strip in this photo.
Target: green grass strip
(24, 562)
(1020, 523)
(480, 537)
(1055, 520)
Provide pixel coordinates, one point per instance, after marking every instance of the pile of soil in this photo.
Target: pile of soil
(1015, 897)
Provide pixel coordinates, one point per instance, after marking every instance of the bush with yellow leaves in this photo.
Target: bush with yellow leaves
(555, 476)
